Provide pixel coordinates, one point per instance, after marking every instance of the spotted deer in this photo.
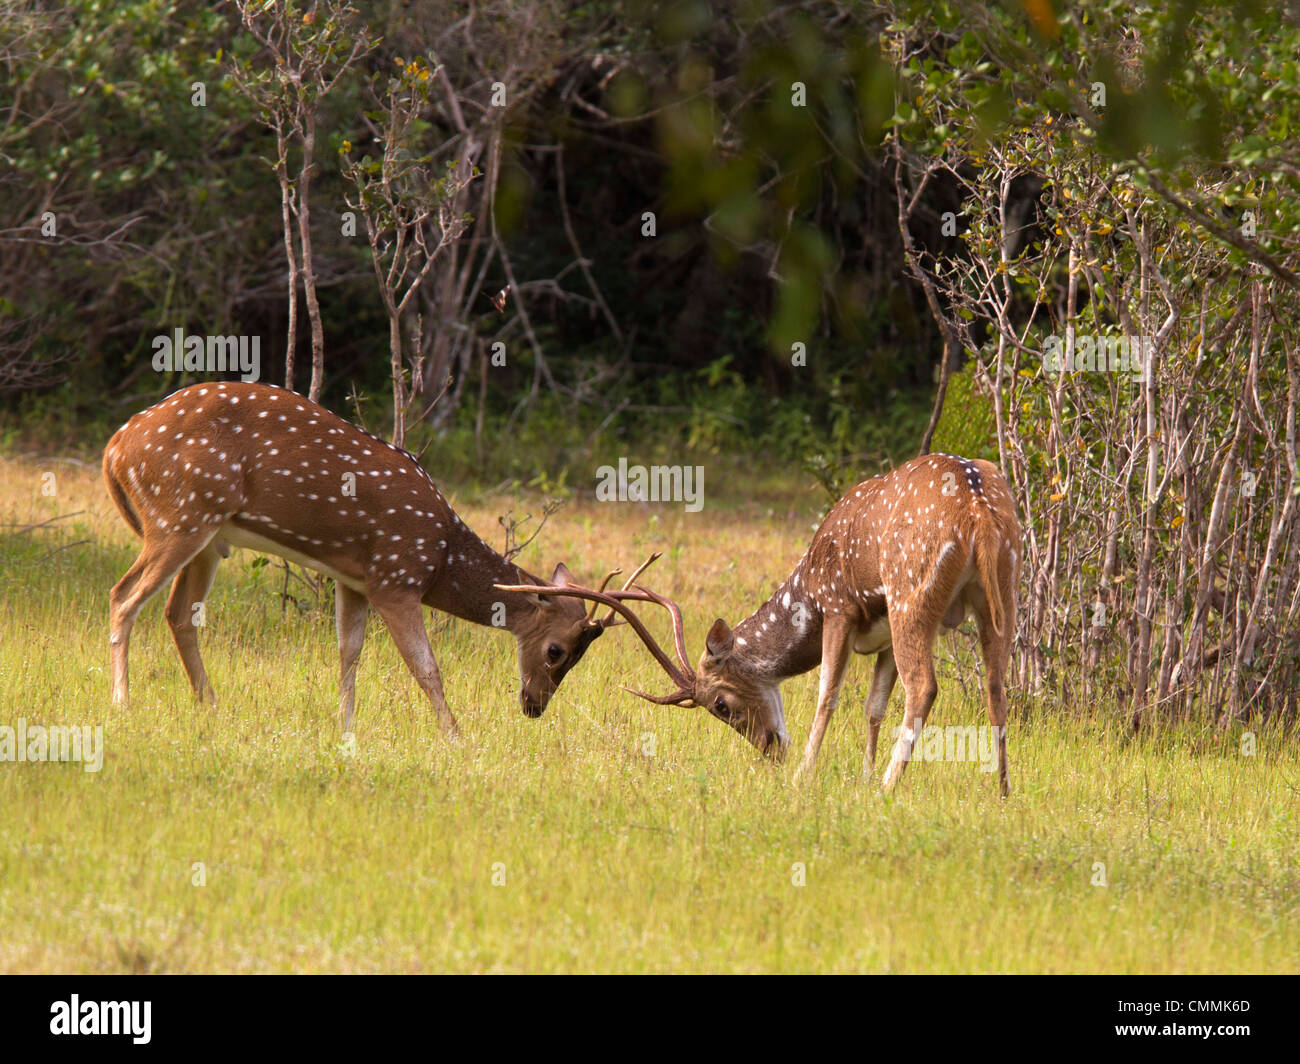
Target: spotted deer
(231, 464)
(897, 557)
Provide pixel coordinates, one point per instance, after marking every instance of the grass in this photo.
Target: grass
(608, 836)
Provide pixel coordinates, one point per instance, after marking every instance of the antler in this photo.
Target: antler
(682, 675)
(591, 613)
(609, 618)
(679, 672)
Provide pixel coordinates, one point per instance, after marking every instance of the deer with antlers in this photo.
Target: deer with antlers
(232, 464)
(896, 559)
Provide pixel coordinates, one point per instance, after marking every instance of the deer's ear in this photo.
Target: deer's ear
(719, 641)
(562, 577)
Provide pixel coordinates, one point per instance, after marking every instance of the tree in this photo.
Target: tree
(410, 215)
(1138, 348)
(311, 47)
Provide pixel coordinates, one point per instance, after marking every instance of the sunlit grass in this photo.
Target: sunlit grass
(608, 857)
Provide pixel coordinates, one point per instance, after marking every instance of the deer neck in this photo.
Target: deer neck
(783, 637)
(466, 588)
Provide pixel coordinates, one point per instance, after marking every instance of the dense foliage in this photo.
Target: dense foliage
(750, 227)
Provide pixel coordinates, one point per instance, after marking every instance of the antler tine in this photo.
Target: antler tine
(591, 613)
(679, 636)
(680, 697)
(685, 692)
(608, 619)
(685, 680)
(644, 594)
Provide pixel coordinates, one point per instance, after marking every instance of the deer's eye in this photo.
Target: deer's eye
(554, 653)
(720, 707)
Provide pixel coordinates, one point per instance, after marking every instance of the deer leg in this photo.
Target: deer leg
(882, 684)
(160, 559)
(837, 646)
(190, 588)
(914, 659)
(350, 610)
(405, 620)
(996, 649)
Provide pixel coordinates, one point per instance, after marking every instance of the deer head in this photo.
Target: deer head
(552, 635)
(730, 688)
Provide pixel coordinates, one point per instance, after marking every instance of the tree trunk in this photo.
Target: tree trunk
(291, 341)
(308, 268)
(399, 389)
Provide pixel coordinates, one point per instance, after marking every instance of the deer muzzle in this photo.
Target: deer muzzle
(775, 744)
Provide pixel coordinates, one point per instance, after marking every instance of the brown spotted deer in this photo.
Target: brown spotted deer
(896, 558)
(231, 464)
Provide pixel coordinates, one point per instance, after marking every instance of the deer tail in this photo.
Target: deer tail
(120, 500)
(986, 561)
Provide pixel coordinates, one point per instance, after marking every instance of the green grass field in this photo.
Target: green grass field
(561, 845)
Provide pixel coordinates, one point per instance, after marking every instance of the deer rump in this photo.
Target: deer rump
(961, 571)
(972, 580)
